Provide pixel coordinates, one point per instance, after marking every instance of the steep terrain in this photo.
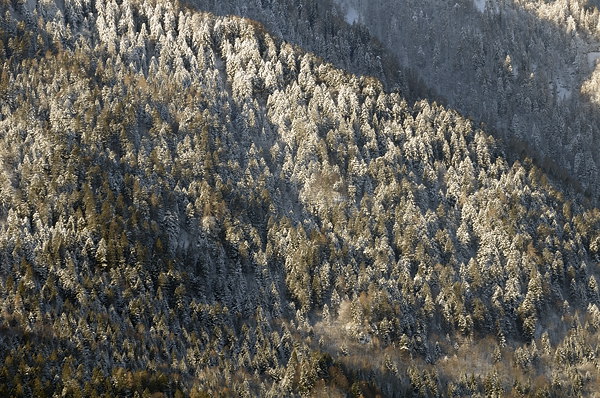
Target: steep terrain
(322, 28)
(526, 68)
(191, 206)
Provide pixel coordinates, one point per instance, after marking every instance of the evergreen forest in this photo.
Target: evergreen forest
(261, 199)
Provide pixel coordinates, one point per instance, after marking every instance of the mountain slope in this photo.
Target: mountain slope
(191, 206)
(526, 68)
(319, 27)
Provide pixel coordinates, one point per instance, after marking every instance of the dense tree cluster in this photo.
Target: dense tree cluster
(526, 68)
(193, 207)
(320, 27)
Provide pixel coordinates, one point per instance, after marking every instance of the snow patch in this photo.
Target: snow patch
(348, 10)
(592, 57)
(480, 5)
(351, 15)
(184, 240)
(30, 4)
(562, 90)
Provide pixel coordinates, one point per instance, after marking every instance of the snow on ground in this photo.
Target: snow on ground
(562, 90)
(592, 57)
(480, 5)
(30, 4)
(351, 15)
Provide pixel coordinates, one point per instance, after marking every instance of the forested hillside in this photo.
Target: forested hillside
(322, 28)
(527, 68)
(194, 207)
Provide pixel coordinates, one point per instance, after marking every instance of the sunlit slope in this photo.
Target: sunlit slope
(191, 206)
